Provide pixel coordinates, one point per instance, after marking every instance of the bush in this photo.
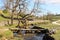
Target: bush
(8, 34)
(5, 11)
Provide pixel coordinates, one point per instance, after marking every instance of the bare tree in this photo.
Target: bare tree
(20, 7)
(36, 9)
(12, 5)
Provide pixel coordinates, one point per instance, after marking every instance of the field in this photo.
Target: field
(51, 26)
(8, 34)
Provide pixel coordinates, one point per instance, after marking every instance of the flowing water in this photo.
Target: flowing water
(35, 37)
(31, 36)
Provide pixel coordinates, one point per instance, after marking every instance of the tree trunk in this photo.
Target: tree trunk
(12, 18)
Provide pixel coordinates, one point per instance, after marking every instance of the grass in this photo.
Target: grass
(7, 26)
(50, 26)
(57, 35)
(8, 33)
(10, 26)
(6, 14)
(9, 15)
(2, 19)
(47, 26)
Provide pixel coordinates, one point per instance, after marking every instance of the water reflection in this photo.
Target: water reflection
(40, 37)
(35, 37)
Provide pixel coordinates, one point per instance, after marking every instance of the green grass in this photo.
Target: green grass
(7, 26)
(2, 19)
(6, 14)
(47, 26)
(57, 35)
(50, 26)
(7, 34)
(9, 15)
(11, 26)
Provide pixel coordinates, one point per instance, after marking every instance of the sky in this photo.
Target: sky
(1, 3)
(51, 6)
(46, 6)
